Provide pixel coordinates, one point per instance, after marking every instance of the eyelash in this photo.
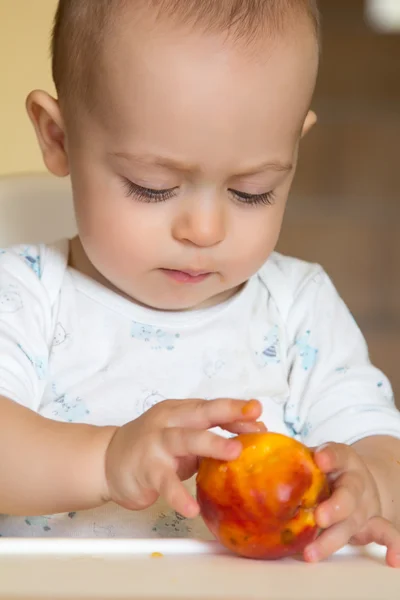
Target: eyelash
(149, 195)
(265, 199)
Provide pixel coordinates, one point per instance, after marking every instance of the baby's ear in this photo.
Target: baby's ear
(44, 112)
(309, 122)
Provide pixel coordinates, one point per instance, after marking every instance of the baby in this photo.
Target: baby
(135, 349)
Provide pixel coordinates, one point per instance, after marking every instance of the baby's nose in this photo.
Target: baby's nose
(203, 225)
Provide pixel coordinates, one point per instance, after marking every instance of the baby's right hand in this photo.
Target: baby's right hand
(149, 457)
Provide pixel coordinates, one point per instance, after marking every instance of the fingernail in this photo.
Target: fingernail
(249, 407)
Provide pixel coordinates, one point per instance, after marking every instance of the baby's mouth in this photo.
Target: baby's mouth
(186, 276)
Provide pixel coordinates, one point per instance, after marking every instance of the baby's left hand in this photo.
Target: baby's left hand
(353, 512)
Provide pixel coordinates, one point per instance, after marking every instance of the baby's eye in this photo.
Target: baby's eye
(253, 199)
(147, 194)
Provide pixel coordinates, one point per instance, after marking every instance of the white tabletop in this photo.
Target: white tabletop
(190, 570)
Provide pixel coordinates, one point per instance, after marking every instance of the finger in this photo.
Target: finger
(333, 539)
(188, 467)
(348, 490)
(170, 487)
(245, 427)
(382, 532)
(205, 414)
(333, 458)
(181, 443)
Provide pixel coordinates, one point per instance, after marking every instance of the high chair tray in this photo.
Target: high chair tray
(37, 569)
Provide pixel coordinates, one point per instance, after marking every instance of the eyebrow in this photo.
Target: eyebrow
(170, 163)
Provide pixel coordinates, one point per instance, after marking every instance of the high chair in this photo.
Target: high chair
(35, 207)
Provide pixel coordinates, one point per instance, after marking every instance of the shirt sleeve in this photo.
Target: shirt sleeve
(25, 326)
(336, 393)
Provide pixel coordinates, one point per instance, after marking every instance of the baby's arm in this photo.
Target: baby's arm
(48, 467)
(45, 466)
(340, 399)
(365, 503)
(381, 454)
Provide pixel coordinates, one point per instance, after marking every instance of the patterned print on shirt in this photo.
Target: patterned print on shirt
(213, 362)
(150, 399)
(172, 525)
(42, 523)
(60, 335)
(386, 389)
(270, 353)
(32, 259)
(157, 338)
(101, 531)
(307, 353)
(343, 370)
(10, 300)
(39, 363)
(71, 410)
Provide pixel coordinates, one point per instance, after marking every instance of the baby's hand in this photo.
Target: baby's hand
(353, 513)
(149, 457)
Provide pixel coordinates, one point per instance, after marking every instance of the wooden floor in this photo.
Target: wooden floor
(345, 206)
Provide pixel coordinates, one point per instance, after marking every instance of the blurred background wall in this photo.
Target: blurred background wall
(345, 206)
(24, 66)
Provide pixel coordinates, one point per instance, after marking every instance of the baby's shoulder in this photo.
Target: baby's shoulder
(35, 266)
(286, 278)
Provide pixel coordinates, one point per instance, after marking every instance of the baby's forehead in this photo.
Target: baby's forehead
(201, 104)
(85, 33)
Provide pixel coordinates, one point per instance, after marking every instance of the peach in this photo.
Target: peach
(262, 504)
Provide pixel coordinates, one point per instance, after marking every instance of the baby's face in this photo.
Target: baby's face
(185, 165)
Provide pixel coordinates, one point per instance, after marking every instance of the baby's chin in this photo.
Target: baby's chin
(189, 302)
(172, 304)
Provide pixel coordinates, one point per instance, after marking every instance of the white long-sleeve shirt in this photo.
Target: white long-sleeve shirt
(74, 351)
